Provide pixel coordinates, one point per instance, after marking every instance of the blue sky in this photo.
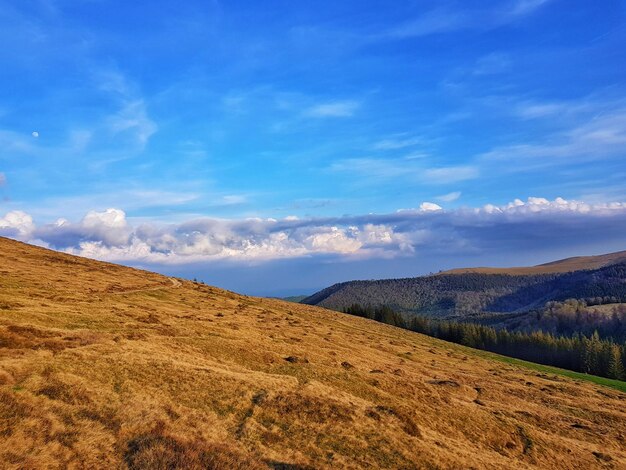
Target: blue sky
(267, 147)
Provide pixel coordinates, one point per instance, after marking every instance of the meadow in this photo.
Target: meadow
(104, 366)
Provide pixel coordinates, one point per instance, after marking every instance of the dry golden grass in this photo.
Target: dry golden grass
(103, 366)
(562, 266)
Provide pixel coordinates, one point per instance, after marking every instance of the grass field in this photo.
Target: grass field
(103, 366)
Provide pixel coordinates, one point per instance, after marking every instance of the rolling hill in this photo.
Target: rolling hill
(577, 263)
(471, 291)
(103, 366)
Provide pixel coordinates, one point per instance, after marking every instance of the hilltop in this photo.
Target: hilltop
(105, 366)
(471, 291)
(577, 263)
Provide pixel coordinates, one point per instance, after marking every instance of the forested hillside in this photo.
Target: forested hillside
(455, 295)
(566, 318)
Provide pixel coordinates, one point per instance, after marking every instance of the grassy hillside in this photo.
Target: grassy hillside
(103, 366)
(450, 295)
(577, 263)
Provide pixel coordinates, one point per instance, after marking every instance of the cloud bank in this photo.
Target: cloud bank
(535, 223)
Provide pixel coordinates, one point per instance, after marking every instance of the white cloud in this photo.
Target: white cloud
(330, 240)
(11, 141)
(534, 205)
(108, 227)
(448, 20)
(398, 143)
(524, 7)
(79, 140)
(492, 64)
(35, 134)
(333, 109)
(17, 224)
(108, 235)
(370, 167)
(450, 197)
(599, 137)
(133, 118)
(113, 81)
(410, 168)
(3, 179)
(451, 174)
(585, 109)
(430, 206)
(113, 218)
(234, 199)
(535, 110)
(433, 22)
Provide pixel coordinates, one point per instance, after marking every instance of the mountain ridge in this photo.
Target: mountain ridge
(574, 263)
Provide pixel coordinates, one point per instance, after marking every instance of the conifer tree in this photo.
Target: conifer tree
(616, 367)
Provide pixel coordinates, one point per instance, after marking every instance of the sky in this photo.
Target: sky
(278, 147)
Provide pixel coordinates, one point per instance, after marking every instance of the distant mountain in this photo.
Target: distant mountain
(576, 263)
(469, 291)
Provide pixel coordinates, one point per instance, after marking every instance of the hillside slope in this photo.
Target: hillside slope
(472, 292)
(577, 263)
(104, 366)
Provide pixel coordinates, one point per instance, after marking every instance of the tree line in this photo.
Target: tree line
(589, 354)
(576, 316)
